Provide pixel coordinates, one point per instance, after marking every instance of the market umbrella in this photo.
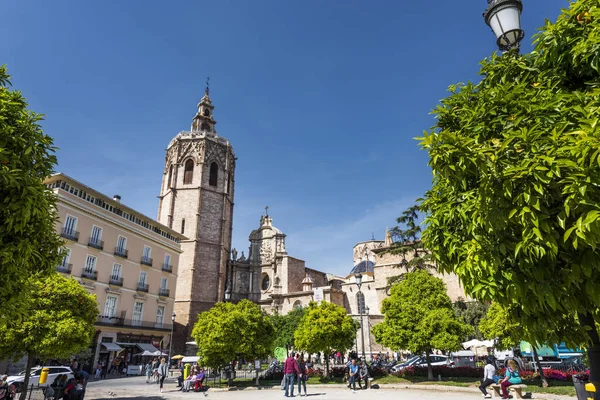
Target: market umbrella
(177, 357)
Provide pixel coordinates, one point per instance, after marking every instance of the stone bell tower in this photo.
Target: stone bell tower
(196, 199)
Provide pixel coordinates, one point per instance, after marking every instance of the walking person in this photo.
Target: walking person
(512, 377)
(302, 377)
(290, 369)
(488, 377)
(163, 370)
(148, 371)
(353, 374)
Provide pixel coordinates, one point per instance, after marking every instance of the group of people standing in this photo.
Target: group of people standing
(294, 367)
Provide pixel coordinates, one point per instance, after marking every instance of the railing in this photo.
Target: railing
(64, 268)
(70, 234)
(102, 320)
(96, 243)
(141, 287)
(146, 261)
(115, 280)
(89, 274)
(163, 292)
(167, 267)
(121, 252)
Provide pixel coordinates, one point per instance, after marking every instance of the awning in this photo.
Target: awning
(190, 359)
(193, 343)
(112, 346)
(147, 347)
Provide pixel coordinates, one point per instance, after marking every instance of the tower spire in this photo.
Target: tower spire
(203, 120)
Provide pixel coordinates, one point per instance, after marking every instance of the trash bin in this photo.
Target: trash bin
(186, 371)
(44, 376)
(579, 381)
(590, 388)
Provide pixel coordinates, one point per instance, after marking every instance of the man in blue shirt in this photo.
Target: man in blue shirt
(353, 372)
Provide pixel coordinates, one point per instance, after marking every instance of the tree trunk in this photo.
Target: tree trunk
(327, 363)
(536, 359)
(429, 367)
(30, 361)
(587, 321)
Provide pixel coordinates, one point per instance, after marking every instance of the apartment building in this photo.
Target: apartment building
(128, 260)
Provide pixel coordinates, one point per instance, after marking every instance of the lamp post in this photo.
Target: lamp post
(358, 278)
(504, 17)
(369, 330)
(171, 342)
(227, 294)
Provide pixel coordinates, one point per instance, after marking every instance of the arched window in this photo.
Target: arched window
(206, 112)
(214, 174)
(205, 127)
(266, 282)
(360, 302)
(189, 172)
(170, 176)
(297, 304)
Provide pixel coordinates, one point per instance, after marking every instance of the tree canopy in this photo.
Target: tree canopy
(58, 321)
(514, 209)
(471, 312)
(418, 316)
(323, 328)
(29, 245)
(229, 331)
(285, 326)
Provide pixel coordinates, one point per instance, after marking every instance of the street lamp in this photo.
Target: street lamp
(358, 278)
(369, 330)
(171, 341)
(504, 17)
(227, 294)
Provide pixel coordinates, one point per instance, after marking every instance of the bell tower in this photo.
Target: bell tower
(196, 199)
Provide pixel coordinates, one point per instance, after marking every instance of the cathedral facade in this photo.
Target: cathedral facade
(196, 200)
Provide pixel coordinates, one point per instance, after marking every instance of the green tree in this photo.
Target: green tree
(514, 209)
(229, 331)
(418, 316)
(29, 244)
(323, 328)
(471, 313)
(285, 326)
(407, 241)
(498, 325)
(58, 321)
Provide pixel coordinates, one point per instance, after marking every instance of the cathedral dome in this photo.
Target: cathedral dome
(363, 266)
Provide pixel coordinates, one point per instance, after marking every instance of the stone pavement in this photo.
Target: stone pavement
(134, 388)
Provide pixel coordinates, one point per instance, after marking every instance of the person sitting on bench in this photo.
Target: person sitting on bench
(199, 379)
(488, 377)
(512, 377)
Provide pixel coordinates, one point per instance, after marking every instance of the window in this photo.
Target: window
(214, 174)
(116, 272)
(188, 173)
(170, 176)
(360, 301)
(164, 283)
(205, 127)
(183, 226)
(142, 279)
(70, 225)
(206, 112)
(266, 282)
(160, 316)
(147, 252)
(167, 261)
(66, 258)
(90, 263)
(297, 304)
(110, 306)
(138, 313)
(96, 235)
(121, 243)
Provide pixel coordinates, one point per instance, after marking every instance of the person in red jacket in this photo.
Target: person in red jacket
(290, 369)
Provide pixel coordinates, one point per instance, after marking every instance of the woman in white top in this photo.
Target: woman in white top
(488, 377)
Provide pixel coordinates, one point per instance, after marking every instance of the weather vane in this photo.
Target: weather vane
(207, 91)
(267, 211)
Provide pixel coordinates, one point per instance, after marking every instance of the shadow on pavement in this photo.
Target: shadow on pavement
(132, 398)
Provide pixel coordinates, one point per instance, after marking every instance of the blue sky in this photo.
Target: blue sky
(320, 99)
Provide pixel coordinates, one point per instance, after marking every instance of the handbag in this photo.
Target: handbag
(283, 383)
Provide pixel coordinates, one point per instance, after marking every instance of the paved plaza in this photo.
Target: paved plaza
(136, 388)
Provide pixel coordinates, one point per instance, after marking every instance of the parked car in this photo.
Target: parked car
(34, 378)
(421, 361)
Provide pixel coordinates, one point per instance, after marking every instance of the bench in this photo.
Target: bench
(369, 382)
(517, 389)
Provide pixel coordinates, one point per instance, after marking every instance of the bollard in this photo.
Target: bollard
(44, 376)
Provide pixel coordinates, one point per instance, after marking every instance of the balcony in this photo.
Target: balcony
(89, 274)
(163, 292)
(70, 234)
(121, 252)
(167, 267)
(64, 268)
(142, 287)
(96, 243)
(116, 280)
(102, 320)
(146, 261)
